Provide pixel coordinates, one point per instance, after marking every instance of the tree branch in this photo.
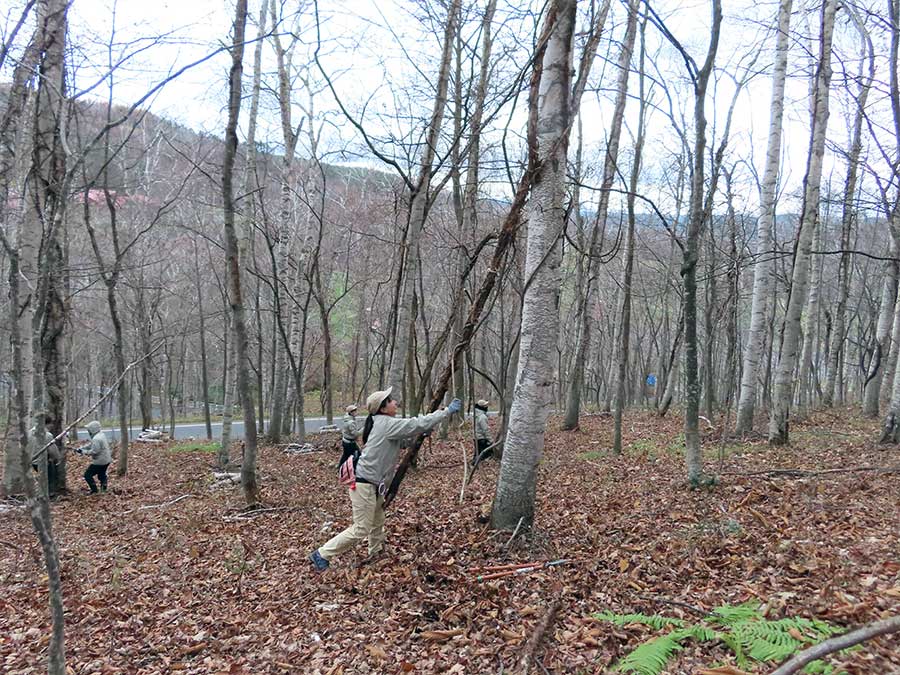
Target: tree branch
(835, 644)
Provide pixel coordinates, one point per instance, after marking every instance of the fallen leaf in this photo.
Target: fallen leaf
(440, 635)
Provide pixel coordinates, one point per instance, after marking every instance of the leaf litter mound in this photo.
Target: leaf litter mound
(169, 573)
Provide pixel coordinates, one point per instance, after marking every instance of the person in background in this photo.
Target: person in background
(482, 432)
(53, 454)
(383, 433)
(350, 432)
(101, 456)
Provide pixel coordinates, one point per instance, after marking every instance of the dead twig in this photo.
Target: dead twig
(537, 636)
(250, 515)
(805, 473)
(515, 532)
(157, 506)
(675, 603)
(836, 644)
(524, 569)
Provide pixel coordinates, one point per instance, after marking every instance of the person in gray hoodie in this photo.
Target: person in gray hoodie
(101, 456)
(349, 433)
(383, 434)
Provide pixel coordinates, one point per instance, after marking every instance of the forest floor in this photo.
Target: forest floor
(166, 574)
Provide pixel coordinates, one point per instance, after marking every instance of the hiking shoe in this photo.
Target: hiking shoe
(318, 561)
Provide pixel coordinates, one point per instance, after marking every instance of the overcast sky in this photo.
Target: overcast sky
(374, 52)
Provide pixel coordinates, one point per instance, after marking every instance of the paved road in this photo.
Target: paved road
(198, 431)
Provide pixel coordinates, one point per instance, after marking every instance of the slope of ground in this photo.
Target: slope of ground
(167, 574)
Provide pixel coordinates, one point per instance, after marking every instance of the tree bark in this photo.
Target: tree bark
(762, 273)
(405, 323)
(230, 392)
(628, 253)
(248, 466)
(514, 498)
(693, 456)
(610, 167)
(787, 359)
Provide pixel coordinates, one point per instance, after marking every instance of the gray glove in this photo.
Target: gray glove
(455, 406)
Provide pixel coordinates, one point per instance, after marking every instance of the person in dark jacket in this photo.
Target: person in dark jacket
(350, 432)
(53, 454)
(482, 432)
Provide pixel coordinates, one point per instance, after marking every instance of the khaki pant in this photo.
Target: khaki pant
(368, 523)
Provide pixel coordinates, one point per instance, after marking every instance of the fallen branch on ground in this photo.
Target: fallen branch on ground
(524, 569)
(157, 506)
(836, 644)
(536, 637)
(675, 603)
(805, 473)
(249, 515)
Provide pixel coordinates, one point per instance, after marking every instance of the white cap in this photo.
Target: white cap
(376, 398)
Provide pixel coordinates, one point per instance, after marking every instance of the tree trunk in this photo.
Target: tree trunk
(15, 140)
(248, 466)
(787, 359)
(811, 334)
(610, 167)
(418, 197)
(885, 334)
(628, 253)
(48, 188)
(693, 456)
(514, 499)
(204, 370)
(762, 274)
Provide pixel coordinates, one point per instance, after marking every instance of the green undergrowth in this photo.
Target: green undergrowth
(752, 638)
(195, 446)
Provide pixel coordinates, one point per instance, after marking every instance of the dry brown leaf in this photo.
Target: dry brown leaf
(376, 652)
(721, 670)
(440, 635)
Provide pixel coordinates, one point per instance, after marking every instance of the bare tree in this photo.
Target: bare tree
(514, 498)
(787, 359)
(236, 296)
(762, 273)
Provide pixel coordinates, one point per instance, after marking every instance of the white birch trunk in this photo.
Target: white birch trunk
(762, 274)
(284, 308)
(787, 359)
(514, 499)
(883, 336)
(811, 334)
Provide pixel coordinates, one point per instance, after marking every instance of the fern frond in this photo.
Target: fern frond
(652, 620)
(819, 667)
(651, 657)
(730, 614)
(766, 640)
(735, 645)
(701, 633)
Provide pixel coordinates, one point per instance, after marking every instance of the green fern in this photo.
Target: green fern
(652, 656)
(728, 615)
(742, 628)
(654, 621)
